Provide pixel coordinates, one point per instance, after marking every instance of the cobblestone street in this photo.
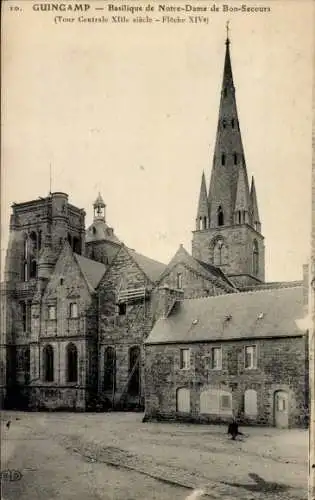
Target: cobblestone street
(116, 456)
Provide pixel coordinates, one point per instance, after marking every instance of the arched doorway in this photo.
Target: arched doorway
(134, 371)
(281, 409)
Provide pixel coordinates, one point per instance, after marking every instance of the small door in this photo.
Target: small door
(250, 403)
(183, 400)
(281, 409)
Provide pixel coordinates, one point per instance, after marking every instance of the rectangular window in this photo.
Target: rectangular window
(122, 309)
(216, 358)
(52, 312)
(26, 316)
(250, 357)
(73, 310)
(184, 361)
(179, 280)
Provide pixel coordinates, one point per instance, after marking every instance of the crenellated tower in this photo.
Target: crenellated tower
(228, 228)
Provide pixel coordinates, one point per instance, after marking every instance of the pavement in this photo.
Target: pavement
(116, 456)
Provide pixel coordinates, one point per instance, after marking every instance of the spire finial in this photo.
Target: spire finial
(227, 31)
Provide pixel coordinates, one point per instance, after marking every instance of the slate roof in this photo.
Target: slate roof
(261, 314)
(216, 271)
(152, 268)
(271, 285)
(93, 271)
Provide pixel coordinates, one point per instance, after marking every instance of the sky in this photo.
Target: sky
(131, 111)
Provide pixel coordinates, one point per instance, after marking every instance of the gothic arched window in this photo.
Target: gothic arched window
(48, 363)
(220, 252)
(255, 258)
(220, 216)
(134, 370)
(72, 363)
(109, 369)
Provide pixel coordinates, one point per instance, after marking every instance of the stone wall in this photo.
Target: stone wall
(194, 284)
(239, 242)
(123, 331)
(66, 285)
(281, 364)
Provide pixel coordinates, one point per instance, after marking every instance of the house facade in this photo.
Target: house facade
(239, 355)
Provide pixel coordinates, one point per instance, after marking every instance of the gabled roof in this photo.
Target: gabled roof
(92, 271)
(152, 268)
(216, 271)
(236, 316)
(208, 271)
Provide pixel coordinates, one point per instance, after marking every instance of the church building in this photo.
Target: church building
(88, 323)
(237, 355)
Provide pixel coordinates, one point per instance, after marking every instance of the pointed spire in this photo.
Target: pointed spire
(227, 73)
(242, 200)
(229, 152)
(202, 219)
(254, 207)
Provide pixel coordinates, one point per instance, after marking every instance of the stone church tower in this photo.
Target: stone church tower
(38, 231)
(228, 228)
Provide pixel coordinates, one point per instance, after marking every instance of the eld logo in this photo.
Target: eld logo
(10, 475)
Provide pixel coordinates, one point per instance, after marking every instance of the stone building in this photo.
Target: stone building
(239, 354)
(78, 305)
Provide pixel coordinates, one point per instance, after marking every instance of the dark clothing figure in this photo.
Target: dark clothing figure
(233, 430)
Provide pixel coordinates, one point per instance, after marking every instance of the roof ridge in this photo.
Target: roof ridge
(249, 292)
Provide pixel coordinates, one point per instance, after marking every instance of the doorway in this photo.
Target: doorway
(281, 409)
